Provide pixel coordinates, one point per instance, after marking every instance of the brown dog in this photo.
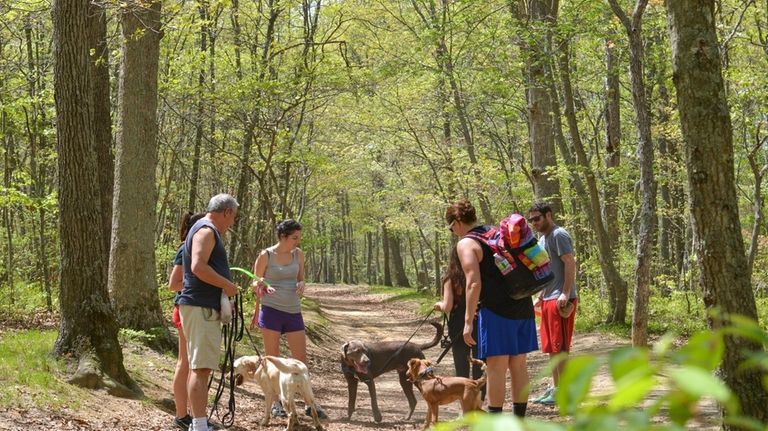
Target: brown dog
(438, 390)
(364, 362)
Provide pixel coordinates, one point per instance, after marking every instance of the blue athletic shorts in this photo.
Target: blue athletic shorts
(499, 336)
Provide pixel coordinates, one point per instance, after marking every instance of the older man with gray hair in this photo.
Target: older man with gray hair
(206, 275)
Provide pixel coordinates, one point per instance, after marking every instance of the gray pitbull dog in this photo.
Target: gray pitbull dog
(361, 361)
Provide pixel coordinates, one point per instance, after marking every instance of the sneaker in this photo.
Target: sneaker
(549, 400)
(546, 393)
(320, 412)
(183, 423)
(278, 411)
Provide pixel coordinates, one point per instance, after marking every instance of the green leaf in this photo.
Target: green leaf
(627, 360)
(632, 388)
(576, 382)
(700, 383)
(704, 350)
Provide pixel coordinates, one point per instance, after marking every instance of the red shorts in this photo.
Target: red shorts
(556, 337)
(176, 317)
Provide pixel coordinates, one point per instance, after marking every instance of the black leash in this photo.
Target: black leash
(232, 333)
(406, 341)
(446, 342)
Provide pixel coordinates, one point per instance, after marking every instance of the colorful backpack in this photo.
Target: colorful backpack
(523, 264)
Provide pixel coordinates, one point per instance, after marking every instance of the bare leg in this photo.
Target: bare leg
(558, 370)
(496, 368)
(180, 377)
(198, 391)
(519, 375)
(297, 343)
(271, 342)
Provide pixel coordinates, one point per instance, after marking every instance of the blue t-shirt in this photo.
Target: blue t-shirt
(557, 243)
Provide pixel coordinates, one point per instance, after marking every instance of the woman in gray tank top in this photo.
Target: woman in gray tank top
(282, 267)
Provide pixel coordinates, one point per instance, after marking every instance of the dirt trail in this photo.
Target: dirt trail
(347, 312)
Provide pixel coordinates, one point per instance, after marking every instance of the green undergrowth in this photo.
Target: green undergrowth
(29, 376)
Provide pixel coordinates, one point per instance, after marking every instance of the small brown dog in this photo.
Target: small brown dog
(438, 390)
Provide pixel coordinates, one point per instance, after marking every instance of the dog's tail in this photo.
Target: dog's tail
(287, 368)
(482, 380)
(438, 334)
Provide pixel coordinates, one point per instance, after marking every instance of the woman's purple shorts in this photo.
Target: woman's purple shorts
(280, 321)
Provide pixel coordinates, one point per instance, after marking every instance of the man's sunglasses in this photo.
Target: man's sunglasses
(534, 219)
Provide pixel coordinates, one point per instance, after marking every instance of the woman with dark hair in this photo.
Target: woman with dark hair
(454, 304)
(182, 420)
(506, 329)
(281, 267)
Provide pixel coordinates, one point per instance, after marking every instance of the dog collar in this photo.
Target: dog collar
(426, 373)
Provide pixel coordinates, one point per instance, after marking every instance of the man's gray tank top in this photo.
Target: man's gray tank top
(283, 279)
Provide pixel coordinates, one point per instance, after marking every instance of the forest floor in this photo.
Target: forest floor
(345, 312)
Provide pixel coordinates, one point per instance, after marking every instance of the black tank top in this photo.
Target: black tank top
(493, 295)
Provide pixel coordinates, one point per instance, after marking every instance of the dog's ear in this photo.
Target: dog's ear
(238, 380)
(412, 362)
(344, 350)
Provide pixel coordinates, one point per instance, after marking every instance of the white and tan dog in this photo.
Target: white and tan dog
(278, 376)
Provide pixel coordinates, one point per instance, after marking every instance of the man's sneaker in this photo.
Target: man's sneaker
(549, 400)
(278, 411)
(183, 423)
(320, 413)
(546, 394)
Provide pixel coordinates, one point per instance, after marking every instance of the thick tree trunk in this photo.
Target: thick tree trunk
(132, 281)
(88, 330)
(102, 116)
(647, 230)
(706, 127)
(398, 265)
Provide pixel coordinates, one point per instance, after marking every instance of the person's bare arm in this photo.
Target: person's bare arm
(446, 305)
(469, 255)
(260, 269)
(300, 286)
(569, 277)
(176, 280)
(202, 246)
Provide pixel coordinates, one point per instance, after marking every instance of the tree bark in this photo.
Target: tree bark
(546, 187)
(88, 330)
(398, 265)
(647, 230)
(102, 116)
(132, 277)
(706, 127)
(385, 251)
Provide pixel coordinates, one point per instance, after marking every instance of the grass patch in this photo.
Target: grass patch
(29, 376)
(425, 298)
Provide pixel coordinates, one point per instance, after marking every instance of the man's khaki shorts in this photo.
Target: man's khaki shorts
(202, 328)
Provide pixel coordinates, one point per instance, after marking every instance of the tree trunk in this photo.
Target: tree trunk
(398, 265)
(102, 116)
(200, 121)
(617, 293)
(132, 281)
(647, 230)
(385, 246)
(617, 287)
(706, 127)
(88, 330)
(546, 187)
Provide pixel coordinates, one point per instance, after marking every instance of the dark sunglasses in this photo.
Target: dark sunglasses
(534, 219)
(450, 226)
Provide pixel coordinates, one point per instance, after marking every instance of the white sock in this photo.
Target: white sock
(200, 424)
